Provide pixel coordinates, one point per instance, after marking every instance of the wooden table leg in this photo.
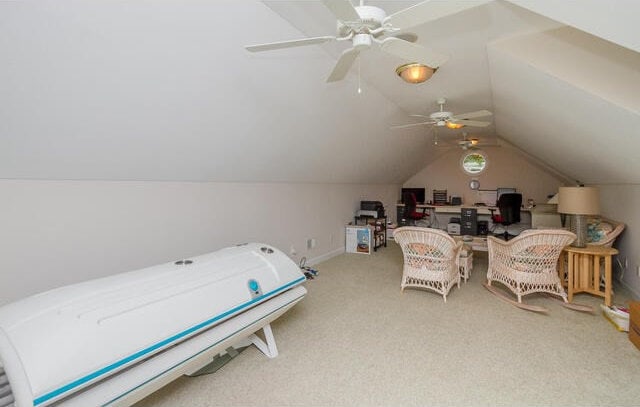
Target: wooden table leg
(570, 275)
(562, 268)
(596, 273)
(607, 281)
(584, 271)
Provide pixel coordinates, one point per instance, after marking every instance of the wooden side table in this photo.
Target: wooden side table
(583, 270)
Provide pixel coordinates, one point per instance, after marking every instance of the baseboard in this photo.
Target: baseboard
(636, 294)
(323, 257)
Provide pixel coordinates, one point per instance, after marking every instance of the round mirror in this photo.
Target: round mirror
(474, 184)
(474, 162)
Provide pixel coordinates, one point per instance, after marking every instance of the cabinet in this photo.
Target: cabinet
(379, 227)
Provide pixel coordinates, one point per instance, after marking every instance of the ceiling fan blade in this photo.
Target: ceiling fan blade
(412, 52)
(428, 11)
(343, 65)
(288, 44)
(472, 115)
(420, 115)
(342, 9)
(404, 126)
(472, 123)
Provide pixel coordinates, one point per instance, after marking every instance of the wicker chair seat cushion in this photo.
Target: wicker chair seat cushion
(423, 249)
(534, 259)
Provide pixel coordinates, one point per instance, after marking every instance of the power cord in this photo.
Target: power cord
(309, 272)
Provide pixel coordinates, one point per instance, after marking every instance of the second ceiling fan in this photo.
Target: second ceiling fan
(443, 118)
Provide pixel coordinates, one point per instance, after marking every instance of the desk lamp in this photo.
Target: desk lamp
(579, 202)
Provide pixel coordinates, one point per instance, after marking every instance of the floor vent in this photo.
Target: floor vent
(6, 396)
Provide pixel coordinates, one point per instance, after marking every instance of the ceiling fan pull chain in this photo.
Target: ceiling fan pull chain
(359, 88)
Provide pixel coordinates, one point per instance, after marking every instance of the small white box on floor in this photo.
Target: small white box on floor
(358, 239)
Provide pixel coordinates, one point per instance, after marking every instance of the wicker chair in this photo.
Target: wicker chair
(431, 259)
(610, 236)
(528, 263)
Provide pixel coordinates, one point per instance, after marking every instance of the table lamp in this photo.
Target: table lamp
(579, 202)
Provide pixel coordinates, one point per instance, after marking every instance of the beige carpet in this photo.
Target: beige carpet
(356, 340)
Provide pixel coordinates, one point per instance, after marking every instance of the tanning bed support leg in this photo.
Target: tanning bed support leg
(269, 347)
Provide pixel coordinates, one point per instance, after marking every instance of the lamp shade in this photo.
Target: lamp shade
(579, 200)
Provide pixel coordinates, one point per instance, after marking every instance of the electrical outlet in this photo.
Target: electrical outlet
(311, 243)
(626, 263)
(292, 251)
(638, 270)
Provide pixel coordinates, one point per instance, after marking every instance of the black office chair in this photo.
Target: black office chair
(509, 205)
(410, 213)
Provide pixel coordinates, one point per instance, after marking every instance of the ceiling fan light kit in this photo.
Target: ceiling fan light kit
(415, 72)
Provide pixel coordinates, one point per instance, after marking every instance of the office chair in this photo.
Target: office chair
(509, 206)
(410, 214)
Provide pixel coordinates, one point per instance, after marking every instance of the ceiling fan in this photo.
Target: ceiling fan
(473, 143)
(466, 143)
(367, 26)
(443, 118)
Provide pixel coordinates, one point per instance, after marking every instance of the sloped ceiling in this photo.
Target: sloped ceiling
(165, 91)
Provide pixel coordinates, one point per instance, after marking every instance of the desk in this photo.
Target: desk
(449, 209)
(442, 209)
(482, 210)
(583, 270)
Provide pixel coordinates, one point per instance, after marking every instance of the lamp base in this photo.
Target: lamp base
(579, 227)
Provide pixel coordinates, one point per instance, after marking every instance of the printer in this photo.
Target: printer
(375, 209)
(453, 227)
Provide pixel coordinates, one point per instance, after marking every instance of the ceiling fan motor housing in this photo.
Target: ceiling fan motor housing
(440, 117)
(371, 18)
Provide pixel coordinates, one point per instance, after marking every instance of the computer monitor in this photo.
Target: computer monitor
(418, 192)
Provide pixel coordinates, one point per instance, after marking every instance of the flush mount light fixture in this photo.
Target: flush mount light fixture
(415, 72)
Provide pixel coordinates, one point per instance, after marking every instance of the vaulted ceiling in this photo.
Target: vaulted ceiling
(137, 90)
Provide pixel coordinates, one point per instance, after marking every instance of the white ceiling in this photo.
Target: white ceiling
(157, 90)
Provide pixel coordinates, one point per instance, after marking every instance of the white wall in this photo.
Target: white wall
(58, 232)
(621, 203)
(613, 20)
(506, 168)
